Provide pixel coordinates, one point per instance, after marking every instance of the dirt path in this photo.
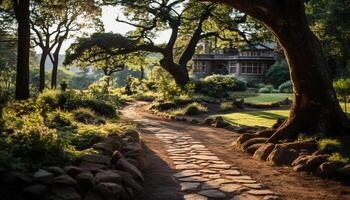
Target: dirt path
(185, 150)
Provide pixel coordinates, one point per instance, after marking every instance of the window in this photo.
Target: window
(249, 70)
(244, 70)
(255, 70)
(233, 70)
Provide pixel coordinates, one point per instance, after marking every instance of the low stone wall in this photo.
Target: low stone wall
(299, 155)
(111, 174)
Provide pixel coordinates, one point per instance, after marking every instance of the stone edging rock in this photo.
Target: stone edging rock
(299, 155)
(111, 174)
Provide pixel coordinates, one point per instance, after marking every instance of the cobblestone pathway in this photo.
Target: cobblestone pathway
(201, 174)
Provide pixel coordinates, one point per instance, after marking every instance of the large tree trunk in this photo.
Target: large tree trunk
(178, 72)
(22, 76)
(315, 108)
(42, 69)
(54, 71)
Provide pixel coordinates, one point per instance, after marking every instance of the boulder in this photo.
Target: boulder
(66, 193)
(108, 191)
(43, 176)
(219, 122)
(107, 177)
(55, 170)
(241, 139)
(305, 146)
(115, 136)
(128, 180)
(308, 163)
(251, 149)
(264, 151)
(125, 165)
(103, 148)
(35, 191)
(329, 169)
(85, 180)
(281, 156)
(208, 121)
(17, 180)
(252, 141)
(143, 160)
(64, 181)
(96, 158)
(116, 156)
(72, 170)
(93, 167)
(344, 171)
(194, 121)
(133, 162)
(133, 134)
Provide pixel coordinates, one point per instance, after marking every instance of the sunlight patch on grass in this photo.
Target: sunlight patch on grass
(267, 98)
(256, 118)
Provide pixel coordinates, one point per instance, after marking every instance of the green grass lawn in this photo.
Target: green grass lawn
(267, 98)
(256, 118)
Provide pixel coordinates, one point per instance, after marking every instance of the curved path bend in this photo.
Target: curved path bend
(194, 162)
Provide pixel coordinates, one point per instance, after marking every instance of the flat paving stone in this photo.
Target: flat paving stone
(207, 171)
(212, 176)
(213, 193)
(189, 186)
(194, 197)
(254, 185)
(260, 192)
(232, 188)
(203, 157)
(219, 166)
(231, 172)
(186, 173)
(194, 179)
(245, 197)
(187, 166)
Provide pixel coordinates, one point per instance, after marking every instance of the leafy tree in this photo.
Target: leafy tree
(314, 109)
(278, 73)
(55, 21)
(185, 19)
(329, 20)
(342, 87)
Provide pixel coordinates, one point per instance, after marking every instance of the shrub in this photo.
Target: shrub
(219, 85)
(267, 89)
(286, 87)
(342, 87)
(83, 115)
(87, 136)
(329, 145)
(337, 157)
(278, 73)
(226, 106)
(58, 119)
(191, 109)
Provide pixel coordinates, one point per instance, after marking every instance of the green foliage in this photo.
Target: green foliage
(338, 157)
(277, 73)
(286, 87)
(342, 87)
(86, 136)
(84, 115)
(329, 145)
(191, 109)
(58, 119)
(268, 89)
(219, 85)
(226, 106)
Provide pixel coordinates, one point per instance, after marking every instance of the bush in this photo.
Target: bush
(219, 85)
(329, 145)
(87, 136)
(226, 106)
(278, 73)
(267, 89)
(337, 157)
(286, 87)
(58, 119)
(83, 115)
(191, 109)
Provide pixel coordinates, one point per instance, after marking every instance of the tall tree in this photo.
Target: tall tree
(185, 19)
(53, 22)
(315, 108)
(21, 8)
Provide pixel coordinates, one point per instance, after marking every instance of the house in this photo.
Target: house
(248, 62)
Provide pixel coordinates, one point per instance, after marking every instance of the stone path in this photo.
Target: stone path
(201, 174)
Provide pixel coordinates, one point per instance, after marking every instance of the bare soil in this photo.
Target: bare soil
(160, 185)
